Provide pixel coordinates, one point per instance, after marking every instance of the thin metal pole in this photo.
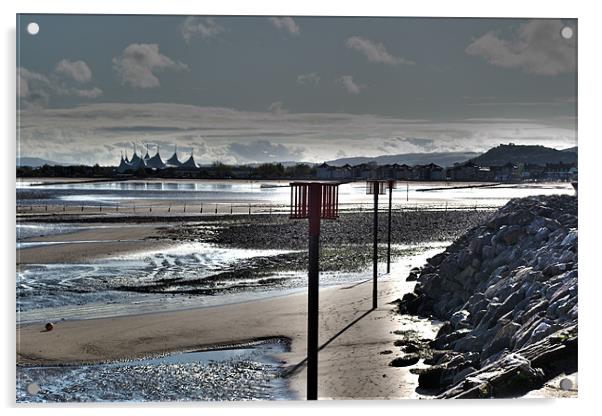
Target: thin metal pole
(313, 289)
(375, 250)
(389, 228)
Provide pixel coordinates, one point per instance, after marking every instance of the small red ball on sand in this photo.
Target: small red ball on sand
(49, 326)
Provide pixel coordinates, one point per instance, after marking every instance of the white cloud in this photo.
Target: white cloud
(76, 70)
(90, 93)
(350, 86)
(286, 24)
(311, 78)
(375, 52)
(138, 64)
(81, 134)
(35, 89)
(536, 48)
(196, 26)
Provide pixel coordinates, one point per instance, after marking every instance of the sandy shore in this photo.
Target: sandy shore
(352, 362)
(351, 365)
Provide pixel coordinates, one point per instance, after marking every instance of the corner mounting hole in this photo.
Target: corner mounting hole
(33, 28)
(566, 32)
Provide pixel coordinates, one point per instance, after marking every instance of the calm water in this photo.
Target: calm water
(248, 372)
(273, 192)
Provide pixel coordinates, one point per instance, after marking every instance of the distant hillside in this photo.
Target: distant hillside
(441, 159)
(570, 149)
(35, 162)
(538, 155)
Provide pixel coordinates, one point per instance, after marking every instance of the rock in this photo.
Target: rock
(405, 361)
(468, 343)
(503, 291)
(436, 260)
(461, 375)
(542, 234)
(460, 319)
(429, 378)
(412, 277)
(570, 239)
(554, 269)
(49, 326)
(409, 303)
(488, 252)
(445, 341)
(540, 332)
(512, 234)
(501, 340)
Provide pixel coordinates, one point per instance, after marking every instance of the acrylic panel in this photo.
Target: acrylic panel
(295, 208)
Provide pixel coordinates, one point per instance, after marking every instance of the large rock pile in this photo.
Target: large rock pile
(507, 293)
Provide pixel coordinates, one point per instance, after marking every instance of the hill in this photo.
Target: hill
(538, 155)
(438, 158)
(35, 162)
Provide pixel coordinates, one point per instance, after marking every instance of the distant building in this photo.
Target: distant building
(155, 163)
(467, 171)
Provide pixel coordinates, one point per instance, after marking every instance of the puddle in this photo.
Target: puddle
(249, 372)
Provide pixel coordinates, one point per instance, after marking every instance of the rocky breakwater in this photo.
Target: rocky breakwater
(507, 294)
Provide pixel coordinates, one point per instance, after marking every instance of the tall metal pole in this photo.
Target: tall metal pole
(389, 228)
(315, 197)
(375, 248)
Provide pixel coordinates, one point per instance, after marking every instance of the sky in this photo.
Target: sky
(241, 89)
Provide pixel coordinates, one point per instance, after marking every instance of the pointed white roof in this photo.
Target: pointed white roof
(173, 160)
(156, 162)
(190, 163)
(137, 164)
(123, 166)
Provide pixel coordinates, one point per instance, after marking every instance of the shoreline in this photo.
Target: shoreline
(355, 363)
(138, 336)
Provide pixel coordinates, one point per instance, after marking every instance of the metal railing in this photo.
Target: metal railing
(224, 208)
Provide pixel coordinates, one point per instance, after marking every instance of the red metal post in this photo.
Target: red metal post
(315, 208)
(375, 250)
(391, 184)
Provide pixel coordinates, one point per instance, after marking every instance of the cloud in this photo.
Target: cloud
(265, 151)
(35, 89)
(347, 82)
(375, 52)
(311, 78)
(78, 134)
(536, 48)
(287, 24)
(277, 107)
(139, 62)
(196, 26)
(90, 93)
(76, 70)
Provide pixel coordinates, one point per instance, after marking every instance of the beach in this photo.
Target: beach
(357, 340)
(351, 365)
(121, 287)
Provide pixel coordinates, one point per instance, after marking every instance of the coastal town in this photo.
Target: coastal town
(512, 170)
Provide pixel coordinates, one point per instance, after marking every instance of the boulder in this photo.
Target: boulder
(405, 361)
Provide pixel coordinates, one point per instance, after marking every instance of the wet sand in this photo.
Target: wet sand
(351, 365)
(90, 244)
